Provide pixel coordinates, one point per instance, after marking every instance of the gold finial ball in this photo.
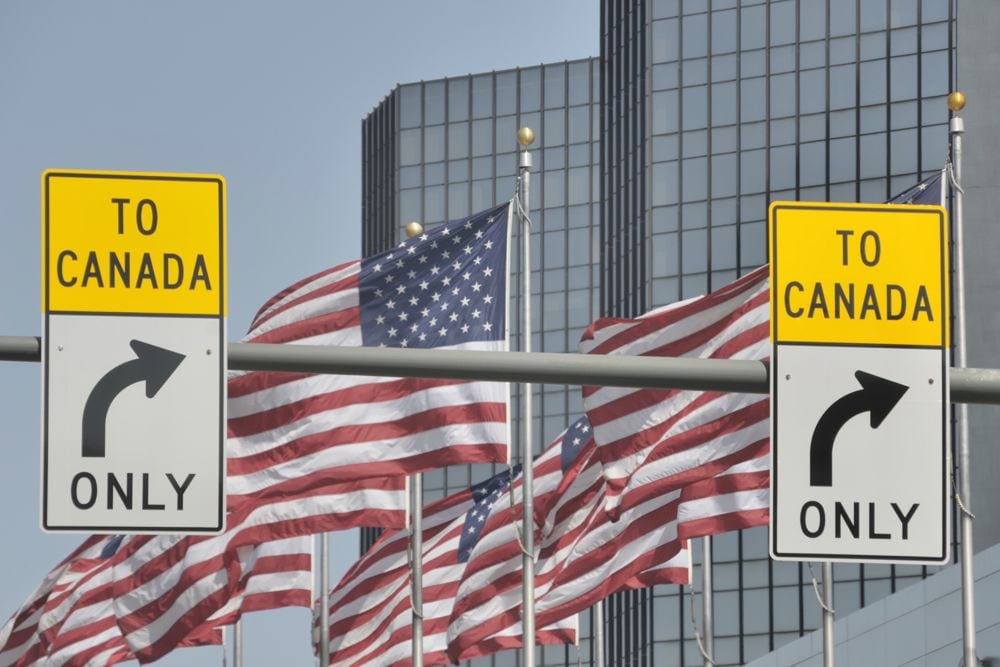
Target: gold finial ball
(956, 101)
(525, 136)
(414, 228)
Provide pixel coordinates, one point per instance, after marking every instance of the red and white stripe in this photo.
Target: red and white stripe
(602, 557)
(163, 588)
(294, 428)
(486, 614)
(276, 574)
(171, 586)
(20, 642)
(681, 437)
(583, 557)
(736, 498)
(154, 594)
(370, 612)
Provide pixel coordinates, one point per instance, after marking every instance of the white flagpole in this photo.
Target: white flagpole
(525, 137)
(324, 599)
(707, 617)
(956, 102)
(597, 612)
(238, 643)
(827, 614)
(417, 567)
(416, 511)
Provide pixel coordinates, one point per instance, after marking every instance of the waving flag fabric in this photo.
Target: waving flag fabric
(20, 639)
(445, 289)
(736, 498)
(582, 557)
(931, 191)
(277, 574)
(370, 611)
(714, 445)
(486, 615)
(680, 437)
(141, 596)
(166, 587)
(640, 549)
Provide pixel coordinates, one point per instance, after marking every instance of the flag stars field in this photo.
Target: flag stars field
(429, 288)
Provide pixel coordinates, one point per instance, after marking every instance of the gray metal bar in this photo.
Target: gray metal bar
(968, 385)
(541, 367)
(20, 348)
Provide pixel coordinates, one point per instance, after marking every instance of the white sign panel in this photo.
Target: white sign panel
(859, 462)
(128, 413)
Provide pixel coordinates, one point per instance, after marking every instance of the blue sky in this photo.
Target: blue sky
(271, 96)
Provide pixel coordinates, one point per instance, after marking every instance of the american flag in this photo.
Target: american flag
(680, 437)
(593, 556)
(736, 498)
(376, 589)
(928, 191)
(78, 623)
(582, 558)
(370, 611)
(486, 616)
(280, 575)
(21, 641)
(166, 587)
(290, 432)
(141, 596)
(712, 444)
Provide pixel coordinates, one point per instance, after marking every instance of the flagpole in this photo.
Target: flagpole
(707, 616)
(597, 612)
(238, 643)
(414, 228)
(956, 102)
(417, 568)
(827, 614)
(525, 137)
(324, 599)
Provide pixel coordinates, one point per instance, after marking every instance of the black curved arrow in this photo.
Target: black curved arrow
(153, 364)
(877, 396)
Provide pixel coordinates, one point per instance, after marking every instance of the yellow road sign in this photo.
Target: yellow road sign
(144, 243)
(859, 274)
(133, 352)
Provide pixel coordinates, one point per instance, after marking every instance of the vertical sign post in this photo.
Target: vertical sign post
(860, 453)
(134, 352)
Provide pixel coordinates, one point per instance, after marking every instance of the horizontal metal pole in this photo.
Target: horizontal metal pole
(969, 385)
(536, 367)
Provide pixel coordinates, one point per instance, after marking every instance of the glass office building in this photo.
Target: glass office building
(711, 109)
(438, 150)
(654, 167)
